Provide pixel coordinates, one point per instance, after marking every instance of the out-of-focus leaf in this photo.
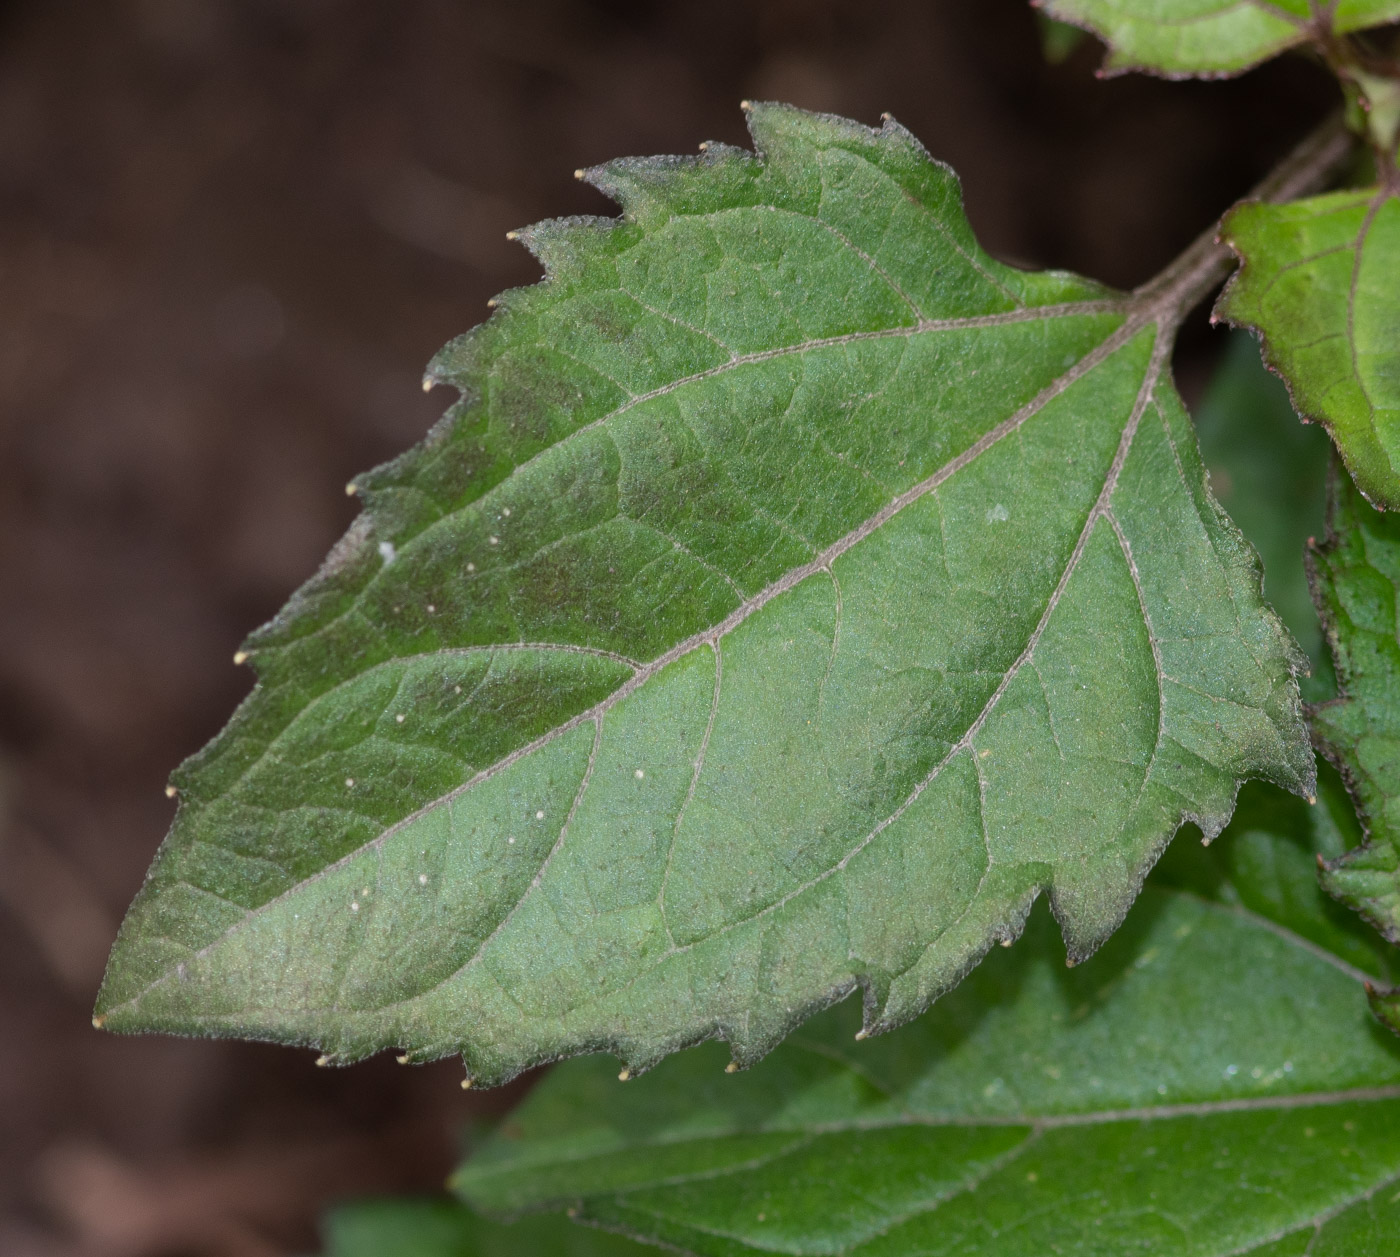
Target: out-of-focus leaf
(1058, 40)
(1270, 472)
(442, 1228)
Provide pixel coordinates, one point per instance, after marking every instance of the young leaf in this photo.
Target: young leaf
(1356, 583)
(1212, 38)
(793, 596)
(442, 1228)
(1319, 284)
(1209, 1084)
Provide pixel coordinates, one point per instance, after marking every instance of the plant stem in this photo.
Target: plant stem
(1206, 263)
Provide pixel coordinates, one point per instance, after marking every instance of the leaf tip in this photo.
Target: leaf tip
(732, 1067)
(624, 1075)
(240, 657)
(171, 792)
(322, 1061)
(746, 106)
(862, 1033)
(428, 383)
(467, 1083)
(402, 1058)
(351, 489)
(99, 1021)
(512, 236)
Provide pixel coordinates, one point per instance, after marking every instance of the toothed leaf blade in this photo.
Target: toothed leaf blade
(1210, 38)
(1321, 286)
(401, 1227)
(794, 595)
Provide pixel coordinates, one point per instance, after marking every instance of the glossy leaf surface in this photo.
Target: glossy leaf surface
(1209, 1084)
(1357, 582)
(1321, 285)
(795, 595)
(1211, 38)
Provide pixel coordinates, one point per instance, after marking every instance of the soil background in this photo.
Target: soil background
(232, 232)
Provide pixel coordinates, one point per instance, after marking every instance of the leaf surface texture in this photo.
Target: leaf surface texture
(1209, 1084)
(794, 595)
(1211, 38)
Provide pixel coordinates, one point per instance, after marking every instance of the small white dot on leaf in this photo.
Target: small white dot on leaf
(399, 718)
(505, 510)
(510, 842)
(431, 609)
(354, 907)
(471, 567)
(495, 541)
(640, 774)
(349, 783)
(422, 879)
(539, 816)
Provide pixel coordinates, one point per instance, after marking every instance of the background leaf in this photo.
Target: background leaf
(1209, 38)
(441, 1228)
(1270, 472)
(1319, 285)
(795, 594)
(1209, 1083)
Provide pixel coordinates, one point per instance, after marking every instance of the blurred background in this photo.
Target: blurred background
(232, 232)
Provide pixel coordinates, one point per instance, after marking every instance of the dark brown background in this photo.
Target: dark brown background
(231, 234)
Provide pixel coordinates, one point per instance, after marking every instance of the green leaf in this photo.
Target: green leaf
(1058, 40)
(441, 1228)
(1211, 38)
(1209, 1084)
(795, 594)
(1319, 285)
(1356, 582)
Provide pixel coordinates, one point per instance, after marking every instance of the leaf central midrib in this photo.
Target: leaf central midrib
(1139, 318)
